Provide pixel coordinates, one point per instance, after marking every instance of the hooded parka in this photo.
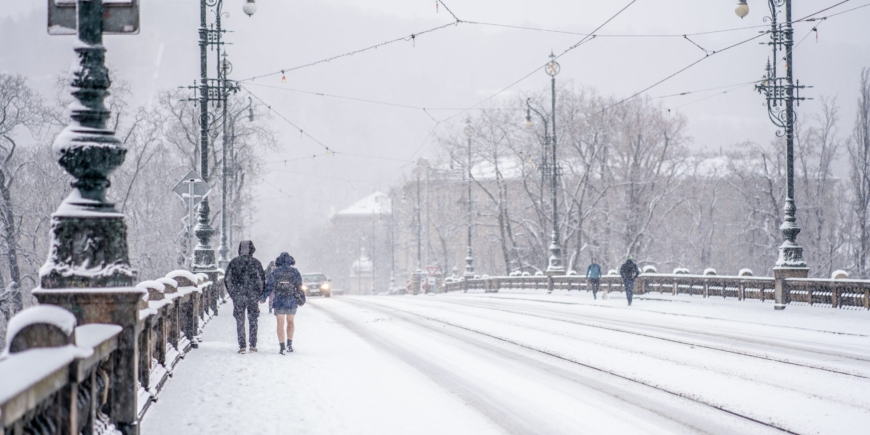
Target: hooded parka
(284, 271)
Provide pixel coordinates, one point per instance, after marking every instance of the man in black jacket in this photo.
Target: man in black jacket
(245, 280)
(629, 272)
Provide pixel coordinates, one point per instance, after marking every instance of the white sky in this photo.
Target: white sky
(454, 67)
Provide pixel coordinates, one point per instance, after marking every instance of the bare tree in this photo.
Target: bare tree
(20, 108)
(859, 153)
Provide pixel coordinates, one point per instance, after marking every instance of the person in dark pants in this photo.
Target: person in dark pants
(245, 280)
(629, 273)
(593, 274)
(284, 285)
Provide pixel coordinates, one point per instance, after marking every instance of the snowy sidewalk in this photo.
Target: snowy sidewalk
(333, 384)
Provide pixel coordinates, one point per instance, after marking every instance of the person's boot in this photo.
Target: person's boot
(252, 349)
(242, 350)
(289, 345)
(282, 349)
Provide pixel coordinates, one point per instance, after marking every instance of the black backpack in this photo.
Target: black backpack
(284, 288)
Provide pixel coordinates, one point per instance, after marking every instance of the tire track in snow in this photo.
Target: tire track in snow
(525, 312)
(512, 420)
(685, 396)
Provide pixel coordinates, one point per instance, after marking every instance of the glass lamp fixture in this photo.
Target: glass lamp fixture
(742, 9)
(250, 8)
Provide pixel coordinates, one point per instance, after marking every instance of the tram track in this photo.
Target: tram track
(525, 312)
(391, 310)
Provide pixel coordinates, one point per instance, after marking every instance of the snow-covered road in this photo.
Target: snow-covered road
(530, 364)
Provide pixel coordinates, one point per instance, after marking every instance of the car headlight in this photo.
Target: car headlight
(304, 288)
(324, 286)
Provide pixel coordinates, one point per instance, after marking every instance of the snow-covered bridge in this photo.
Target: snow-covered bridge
(508, 362)
(529, 363)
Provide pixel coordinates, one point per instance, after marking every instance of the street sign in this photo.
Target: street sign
(191, 189)
(120, 17)
(183, 188)
(432, 270)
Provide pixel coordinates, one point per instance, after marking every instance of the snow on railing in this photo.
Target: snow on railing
(49, 359)
(837, 293)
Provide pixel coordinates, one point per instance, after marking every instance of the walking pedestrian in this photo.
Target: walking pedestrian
(269, 270)
(284, 284)
(629, 273)
(245, 280)
(593, 275)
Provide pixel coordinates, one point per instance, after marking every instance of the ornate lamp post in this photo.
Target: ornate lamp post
(88, 268)
(782, 94)
(203, 253)
(551, 168)
(469, 259)
(555, 265)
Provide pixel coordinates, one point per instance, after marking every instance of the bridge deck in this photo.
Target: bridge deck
(529, 363)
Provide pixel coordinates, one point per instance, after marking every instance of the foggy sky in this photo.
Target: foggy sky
(455, 67)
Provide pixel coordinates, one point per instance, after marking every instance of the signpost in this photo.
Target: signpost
(431, 282)
(191, 189)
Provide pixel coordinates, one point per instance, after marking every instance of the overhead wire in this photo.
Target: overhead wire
(585, 39)
(317, 141)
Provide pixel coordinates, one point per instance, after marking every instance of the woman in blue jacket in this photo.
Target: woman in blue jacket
(284, 284)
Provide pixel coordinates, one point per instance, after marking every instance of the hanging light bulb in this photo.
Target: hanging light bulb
(283, 79)
(436, 6)
(742, 9)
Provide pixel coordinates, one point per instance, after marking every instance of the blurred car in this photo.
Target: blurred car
(316, 284)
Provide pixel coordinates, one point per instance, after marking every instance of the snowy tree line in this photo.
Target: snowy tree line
(630, 184)
(162, 141)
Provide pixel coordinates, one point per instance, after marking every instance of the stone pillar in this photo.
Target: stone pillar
(780, 274)
(88, 269)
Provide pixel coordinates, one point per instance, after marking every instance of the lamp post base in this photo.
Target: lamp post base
(782, 296)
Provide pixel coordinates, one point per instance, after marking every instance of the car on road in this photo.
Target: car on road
(316, 284)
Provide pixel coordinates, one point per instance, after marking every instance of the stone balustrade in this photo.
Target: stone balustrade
(836, 293)
(62, 375)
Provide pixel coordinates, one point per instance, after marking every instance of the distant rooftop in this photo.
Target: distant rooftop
(376, 203)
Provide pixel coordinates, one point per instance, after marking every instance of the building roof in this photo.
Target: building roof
(376, 203)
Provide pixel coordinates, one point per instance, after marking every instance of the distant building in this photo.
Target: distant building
(363, 232)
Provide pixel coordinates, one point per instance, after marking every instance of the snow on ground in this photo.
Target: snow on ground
(530, 363)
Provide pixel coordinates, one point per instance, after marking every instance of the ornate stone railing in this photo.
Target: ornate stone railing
(836, 293)
(59, 378)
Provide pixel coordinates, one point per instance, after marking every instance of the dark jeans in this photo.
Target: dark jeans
(593, 284)
(629, 289)
(241, 304)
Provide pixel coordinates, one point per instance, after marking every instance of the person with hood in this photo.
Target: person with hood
(629, 272)
(285, 285)
(269, 270)
(593, 274)
(245, 280)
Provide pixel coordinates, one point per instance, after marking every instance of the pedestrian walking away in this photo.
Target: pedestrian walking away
(269, 270)
(284, 285)
(593, 275)
(629, 273)
(245, 281)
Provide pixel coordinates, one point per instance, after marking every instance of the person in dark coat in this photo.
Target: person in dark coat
(245, 280)
(593, 274)
(269, 270)
(629, 272)
(284, 284)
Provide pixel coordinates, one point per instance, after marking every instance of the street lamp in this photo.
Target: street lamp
(250, 8)
(223, 249)
(781, 94)
(555, 265)
(742, 9)
(469, 260)
(551, 168)
(204, 254)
